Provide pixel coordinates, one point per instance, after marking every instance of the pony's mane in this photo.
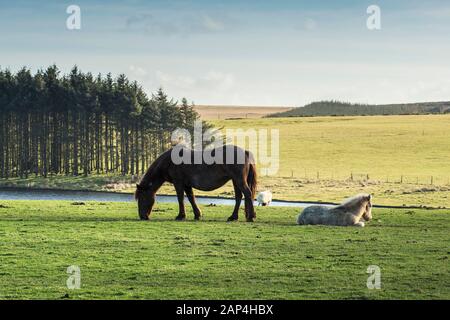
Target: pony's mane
(354, 200)
(148, 174)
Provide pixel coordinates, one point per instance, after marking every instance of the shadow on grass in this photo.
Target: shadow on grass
(135, 219)
(213, 220)
(68, 219)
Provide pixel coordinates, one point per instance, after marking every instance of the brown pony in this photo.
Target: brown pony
(202, 176)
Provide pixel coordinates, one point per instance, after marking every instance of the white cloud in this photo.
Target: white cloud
(295, 83)
(436, 13)
(310, 24)
(164, 23)
(211, 24)
(210, 86)
(137, 71)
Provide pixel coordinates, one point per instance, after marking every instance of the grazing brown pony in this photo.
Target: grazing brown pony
(202, 176)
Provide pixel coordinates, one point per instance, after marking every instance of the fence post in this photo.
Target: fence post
(432, 178)
(318, 175)
(351, 176)
(401, 179)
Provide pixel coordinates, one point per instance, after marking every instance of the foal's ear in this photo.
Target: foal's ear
(369, 197)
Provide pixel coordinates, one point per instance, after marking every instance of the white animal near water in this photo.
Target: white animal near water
(264, 198)
(352, 212)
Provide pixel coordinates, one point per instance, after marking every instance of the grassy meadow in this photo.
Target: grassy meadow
(405, 157)
(273, 258)
(381, 146)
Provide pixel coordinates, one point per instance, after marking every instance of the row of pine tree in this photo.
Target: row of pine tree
(74, 124)
(337, 108)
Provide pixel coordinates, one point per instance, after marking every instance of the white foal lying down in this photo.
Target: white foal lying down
(353, 212)
(264, 198)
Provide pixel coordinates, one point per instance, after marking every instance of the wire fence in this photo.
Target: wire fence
(366, 178)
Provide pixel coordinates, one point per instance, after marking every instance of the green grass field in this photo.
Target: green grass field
(380, 146)
(123, 258)
(405, 157)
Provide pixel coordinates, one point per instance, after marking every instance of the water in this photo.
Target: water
(30, 194)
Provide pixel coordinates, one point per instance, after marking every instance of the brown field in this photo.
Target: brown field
(235, 112)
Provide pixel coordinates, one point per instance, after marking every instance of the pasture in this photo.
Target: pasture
(330, 158)
(121, 257)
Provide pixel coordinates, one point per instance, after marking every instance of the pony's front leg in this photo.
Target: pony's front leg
(191, 197)
(180, 195)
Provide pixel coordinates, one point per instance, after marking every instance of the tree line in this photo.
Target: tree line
(337, 108)
(78, 123)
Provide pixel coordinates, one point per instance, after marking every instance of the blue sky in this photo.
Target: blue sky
(243, 52)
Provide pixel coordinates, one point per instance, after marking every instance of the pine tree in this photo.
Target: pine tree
(188, 114)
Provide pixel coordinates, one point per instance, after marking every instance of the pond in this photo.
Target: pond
(35, 194)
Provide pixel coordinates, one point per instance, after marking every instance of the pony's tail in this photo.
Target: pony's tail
(252, 179)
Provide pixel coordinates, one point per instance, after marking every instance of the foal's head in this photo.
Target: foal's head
(360, 205)
(145, 196)
(367, 215)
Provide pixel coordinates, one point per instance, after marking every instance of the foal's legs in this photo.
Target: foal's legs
(180, 195)
(238, 197)
(191, 197)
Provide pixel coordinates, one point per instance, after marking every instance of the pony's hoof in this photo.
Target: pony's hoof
(180, 218)
(143, 218)
(250, 219)
(232, 219)
(197, 218)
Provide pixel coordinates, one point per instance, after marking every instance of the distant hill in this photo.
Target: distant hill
(209, 112)
(336, 108)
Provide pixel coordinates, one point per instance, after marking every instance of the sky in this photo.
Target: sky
(258, 53)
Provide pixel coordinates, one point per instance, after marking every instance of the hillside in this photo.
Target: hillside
(209, 112)
(336, 108)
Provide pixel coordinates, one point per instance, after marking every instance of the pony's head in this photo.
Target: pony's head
(145, 196)
(360, 205)
(367, 215)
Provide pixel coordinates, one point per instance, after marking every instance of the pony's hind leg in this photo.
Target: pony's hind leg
(238, 197)
(249, 208)
(191, 197)
(180, 195)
